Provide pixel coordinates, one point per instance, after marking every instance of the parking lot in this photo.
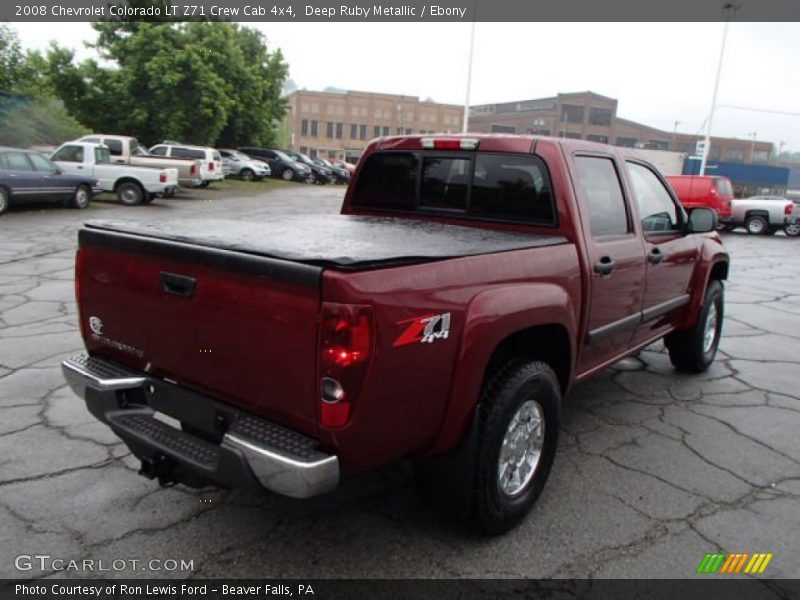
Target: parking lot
(655, 469)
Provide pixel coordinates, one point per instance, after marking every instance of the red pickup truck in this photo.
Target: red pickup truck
(467, 284)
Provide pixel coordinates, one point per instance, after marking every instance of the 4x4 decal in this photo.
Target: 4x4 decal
(424, 330)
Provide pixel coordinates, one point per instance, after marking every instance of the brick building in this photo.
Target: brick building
(340, 124)
(590, 116)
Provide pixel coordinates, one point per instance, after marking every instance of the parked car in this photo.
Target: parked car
(339, 175)
(280, 164)
(132, 185)
(238, 164)
(469, 282)
(210, 159)
(126, 150)
(713, 192)
(27, 176)
(349, 167)
(319, 174)
(765, 215)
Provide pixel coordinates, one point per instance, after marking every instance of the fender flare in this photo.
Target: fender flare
(710, 257)
(491, 317)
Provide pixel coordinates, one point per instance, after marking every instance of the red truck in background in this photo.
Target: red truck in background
(711, 192)
(467, 284)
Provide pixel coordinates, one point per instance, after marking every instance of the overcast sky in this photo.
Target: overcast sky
(659, 72)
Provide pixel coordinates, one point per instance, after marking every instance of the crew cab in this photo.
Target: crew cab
(126, 150)
(132, 185)
(210, 159)
(468, 283)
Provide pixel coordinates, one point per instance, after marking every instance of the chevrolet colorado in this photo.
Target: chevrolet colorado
(467, 284)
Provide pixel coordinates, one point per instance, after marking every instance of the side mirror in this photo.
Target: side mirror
(702, 220)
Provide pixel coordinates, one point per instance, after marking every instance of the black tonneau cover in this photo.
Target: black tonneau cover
(339, 241)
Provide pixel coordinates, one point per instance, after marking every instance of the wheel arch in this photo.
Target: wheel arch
(127, 179)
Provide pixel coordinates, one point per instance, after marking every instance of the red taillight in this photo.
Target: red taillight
(345, 347)
(211, 166)
(449, 144)
(194, 170)
(162, 178)
(788, 209)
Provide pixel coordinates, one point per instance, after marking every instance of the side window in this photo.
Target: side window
(656, 207)
(18, 161)
(114, 146)
(69, 154)
(158, 150)
(40, 163)
(600, 182)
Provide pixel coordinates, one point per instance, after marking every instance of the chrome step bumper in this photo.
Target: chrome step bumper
(251, 450)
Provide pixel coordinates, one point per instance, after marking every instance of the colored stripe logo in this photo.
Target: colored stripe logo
(737, 562)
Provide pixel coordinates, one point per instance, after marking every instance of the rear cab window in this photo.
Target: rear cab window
(485, 186)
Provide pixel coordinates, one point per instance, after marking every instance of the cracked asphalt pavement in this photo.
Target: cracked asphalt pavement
(654, 469)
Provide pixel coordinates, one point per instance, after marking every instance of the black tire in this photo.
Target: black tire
(247, 175)
(792, 230)
(204, 184)
(287, 174)
(82, 197)
(756, 225)
(495, 511)
(688, 349)
(4, 200)
(130, 193)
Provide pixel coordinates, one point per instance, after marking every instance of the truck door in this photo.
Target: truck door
(615, 259)
(671, 254)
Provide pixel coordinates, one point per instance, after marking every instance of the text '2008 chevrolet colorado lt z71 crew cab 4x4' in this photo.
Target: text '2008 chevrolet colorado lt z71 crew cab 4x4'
(466, 285)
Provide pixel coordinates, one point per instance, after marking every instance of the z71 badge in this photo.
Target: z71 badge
(424, 330)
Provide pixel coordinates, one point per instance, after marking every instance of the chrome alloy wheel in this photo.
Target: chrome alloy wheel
(710, 329)
(521, 450)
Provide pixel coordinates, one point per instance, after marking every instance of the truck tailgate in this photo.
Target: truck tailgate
(238, 327)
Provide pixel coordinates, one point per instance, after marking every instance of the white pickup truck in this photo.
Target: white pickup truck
(132, 185)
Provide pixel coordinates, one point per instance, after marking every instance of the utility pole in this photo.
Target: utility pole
(675, 134)
(469, 78)
(728, 10)
(752, 145)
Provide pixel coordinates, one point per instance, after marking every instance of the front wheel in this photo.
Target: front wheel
(756, 225)
(130, 194)
(287, 174)
(3, 200)
(247, 175)
(693, 350)
(792, 230)
(519, 420)
(81, 197)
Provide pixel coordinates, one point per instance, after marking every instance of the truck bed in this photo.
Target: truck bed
(334, 241)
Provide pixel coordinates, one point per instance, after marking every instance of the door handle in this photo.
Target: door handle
(79, 166)
(604, 266)
(655, 256)
(179, 285)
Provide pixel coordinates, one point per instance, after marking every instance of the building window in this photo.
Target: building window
(385, 131)
(539, 131)
(599, 116)
(657, 145)
(408, 131)
(362, 132)
(735, 154)
(376, 131)
(760, 156)
(627, 142)
(572, 114)
(503, 129)
(572, 135)
(314, 128)
(339, 127)
(603, 139)
(353, 132)
(304, 127)
(329, 129)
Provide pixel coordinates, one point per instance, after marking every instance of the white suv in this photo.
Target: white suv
(210, 159)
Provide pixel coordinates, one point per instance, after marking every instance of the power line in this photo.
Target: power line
(763, 110)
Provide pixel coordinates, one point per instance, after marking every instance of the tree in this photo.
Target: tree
(29, 112)
(206, 83)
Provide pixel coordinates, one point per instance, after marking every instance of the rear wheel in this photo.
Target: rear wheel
(287, 174)
(130, 193)
(519, 420)
(3, 200)
(247, 175)
(81, 197)
(693, 350)
(756, 225)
